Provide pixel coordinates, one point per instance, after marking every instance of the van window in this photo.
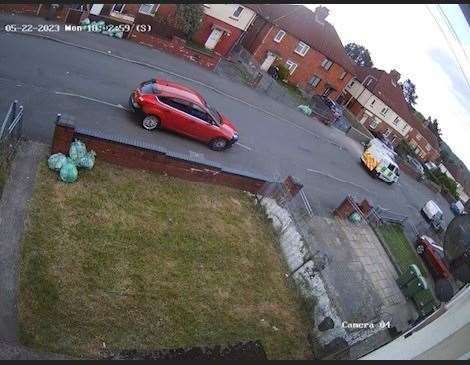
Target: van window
(392, 167)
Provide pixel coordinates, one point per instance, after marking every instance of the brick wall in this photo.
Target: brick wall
(29, 9)
(177, 47)
(226, 41)
(407, 169)
(141, 157)
(308, 65)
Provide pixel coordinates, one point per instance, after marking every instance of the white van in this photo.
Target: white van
(433, 214)
(379, 161)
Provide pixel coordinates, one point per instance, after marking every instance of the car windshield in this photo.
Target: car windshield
(214, 114)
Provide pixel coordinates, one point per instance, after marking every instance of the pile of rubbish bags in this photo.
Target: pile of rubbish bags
(101, 27)
(305, 109)
(78, 157)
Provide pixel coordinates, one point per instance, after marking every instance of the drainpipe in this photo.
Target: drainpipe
(262, 42)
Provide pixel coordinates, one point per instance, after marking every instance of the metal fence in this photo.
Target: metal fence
(10, 133)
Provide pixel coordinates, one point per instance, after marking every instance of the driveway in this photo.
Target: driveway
(93, 87)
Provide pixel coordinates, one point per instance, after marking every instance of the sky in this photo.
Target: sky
(407, 38)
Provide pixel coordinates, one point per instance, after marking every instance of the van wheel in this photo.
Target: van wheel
(218, 144)
(151, 122)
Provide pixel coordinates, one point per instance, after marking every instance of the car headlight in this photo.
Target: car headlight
(235, 136)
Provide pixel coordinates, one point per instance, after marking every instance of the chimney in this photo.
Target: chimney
(320, 14)
(395, 75)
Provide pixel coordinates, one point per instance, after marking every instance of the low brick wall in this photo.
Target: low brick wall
(177, 47)
(28, 9)
(137, 155)
(407, 169)
(357, 135)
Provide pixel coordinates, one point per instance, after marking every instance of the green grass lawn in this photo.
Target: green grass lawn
(402, 251)
(140, 260)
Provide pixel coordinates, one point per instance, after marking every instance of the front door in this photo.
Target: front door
(213, 38)
(96, 9)
(268, 61)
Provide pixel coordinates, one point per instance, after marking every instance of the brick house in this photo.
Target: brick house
(376, 98)
(220, 29)
(304, 42)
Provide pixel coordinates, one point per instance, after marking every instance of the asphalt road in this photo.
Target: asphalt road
(275, 141)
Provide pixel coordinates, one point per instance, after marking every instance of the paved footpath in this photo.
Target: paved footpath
(16, 193)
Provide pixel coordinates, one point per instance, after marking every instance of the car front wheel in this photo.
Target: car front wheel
(420, 249)
(218, 144)
(151, 122)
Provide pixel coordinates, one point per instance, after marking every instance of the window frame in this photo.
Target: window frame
(288, 67)
(118, 11)
(343, 75)
(396, 121)
(153, 6)
(326, 62)
(282, 37)
(305, 48)
(372, 102)
(316, 82)
(375, 124)
(384, 113)
(241, 11)
(418, 136)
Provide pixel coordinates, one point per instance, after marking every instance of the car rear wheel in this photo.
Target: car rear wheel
(218, 144)
(420, 249)
(151, 122)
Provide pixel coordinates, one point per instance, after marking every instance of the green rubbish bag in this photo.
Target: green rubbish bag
(87, 161)
(68, 172)
(85, 22)
(77, 151)
(56, 161)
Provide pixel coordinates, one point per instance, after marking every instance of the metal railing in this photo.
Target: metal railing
(10, 133)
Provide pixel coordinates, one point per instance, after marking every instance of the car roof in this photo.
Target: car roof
(173, 89)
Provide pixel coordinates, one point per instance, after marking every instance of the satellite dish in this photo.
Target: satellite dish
(457, 247)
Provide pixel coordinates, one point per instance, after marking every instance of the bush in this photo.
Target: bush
(283, 72)
(445, 182)
(189, 17)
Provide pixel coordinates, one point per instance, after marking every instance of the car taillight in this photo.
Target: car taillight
(140, 99)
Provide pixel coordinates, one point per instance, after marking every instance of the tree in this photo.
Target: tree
(434, 127)
(359, 54)
(409, 92)
(189, 17)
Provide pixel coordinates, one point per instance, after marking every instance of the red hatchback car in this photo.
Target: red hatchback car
(168, 105)
(433, 256)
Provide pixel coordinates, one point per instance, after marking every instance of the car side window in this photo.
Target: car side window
(200, 113)
(175, 103)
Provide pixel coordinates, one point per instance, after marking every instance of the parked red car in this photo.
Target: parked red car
(175, 107)
(433, 256)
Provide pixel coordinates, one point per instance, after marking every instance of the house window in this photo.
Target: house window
(387, 132)
(148, 9)
(291, 66)
(369, 82)
(314, 81)
(351, 84)
(118, 8)
(384, 111)
(418, 137)
(326, 64)
(394, 139)
(373, 124)
(343, 75)
(428, 147)
(373, 102)
(237, 12)
(396, 121)
(280, 34)
(301, 48)
(327, 91)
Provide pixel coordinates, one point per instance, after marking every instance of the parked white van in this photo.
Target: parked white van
(433, 214)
